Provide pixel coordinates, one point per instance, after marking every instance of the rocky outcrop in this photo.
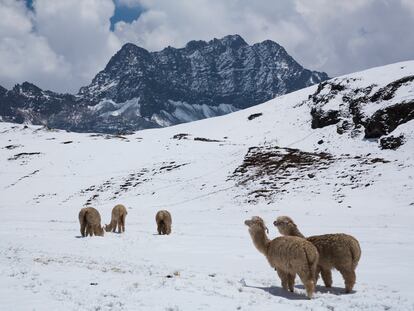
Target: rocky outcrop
(386, 120)
(392, 142)
(371, 110)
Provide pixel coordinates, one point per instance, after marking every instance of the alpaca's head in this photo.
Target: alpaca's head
(256, 223)
(108, 228)
(99, 231)
(285, 225)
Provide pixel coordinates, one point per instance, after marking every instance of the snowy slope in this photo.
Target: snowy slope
(209, 175)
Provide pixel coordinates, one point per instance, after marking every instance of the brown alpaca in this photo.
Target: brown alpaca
(163, 219)
(288, 255)
(119, 213)
(339, 251)
(90, 222)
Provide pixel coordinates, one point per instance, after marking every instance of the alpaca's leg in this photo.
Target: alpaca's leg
(291, 281)
(284, 278)
(317, 271)
(326, 277)
(118, 223)
(308, 282)
(168, 229)
(123, 223)
(88, 230)
(349, 277)
(159, 229)
(82, 228)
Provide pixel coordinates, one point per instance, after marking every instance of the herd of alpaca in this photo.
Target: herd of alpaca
(90, 221)
(293, 254)
(290, 254)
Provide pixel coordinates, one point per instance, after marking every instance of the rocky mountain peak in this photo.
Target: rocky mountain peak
(195, 44)
(27, 88)
(140, 89)
(2, 90)
(233, 41)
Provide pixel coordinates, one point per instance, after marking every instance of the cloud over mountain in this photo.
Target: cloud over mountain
(60, 45)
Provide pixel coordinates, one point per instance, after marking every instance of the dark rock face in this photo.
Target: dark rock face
(392, 142)
(140, 89)
(322, 118)
(225, 71)
(384, 121)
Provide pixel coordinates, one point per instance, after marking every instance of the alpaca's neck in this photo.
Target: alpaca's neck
(260, 240)
(295, 232)
(111, 225)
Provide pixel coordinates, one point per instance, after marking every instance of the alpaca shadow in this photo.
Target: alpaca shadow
(280, 292)
(331, 290)
(83, 237)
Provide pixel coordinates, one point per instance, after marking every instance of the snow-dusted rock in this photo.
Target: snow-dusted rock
(175, 85)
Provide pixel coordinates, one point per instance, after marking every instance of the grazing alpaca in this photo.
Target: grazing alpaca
(163, 219)
(339, 251)
(90, 222)
(288, 255)
(119, 213)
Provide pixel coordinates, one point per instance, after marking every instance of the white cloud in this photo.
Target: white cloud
(60, 46)
(63, 44)
(78, 30)
(25, 55)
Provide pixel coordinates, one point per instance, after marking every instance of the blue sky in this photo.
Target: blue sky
(122, 12)
(125, 13)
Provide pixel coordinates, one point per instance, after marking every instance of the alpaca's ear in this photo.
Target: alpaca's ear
(267, 230)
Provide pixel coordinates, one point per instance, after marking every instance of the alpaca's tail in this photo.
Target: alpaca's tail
(355, 250)
(312, 261)
(82, 221)
(310, 283)
(82, 217)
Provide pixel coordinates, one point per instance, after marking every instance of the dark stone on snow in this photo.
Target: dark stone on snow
(254, 116)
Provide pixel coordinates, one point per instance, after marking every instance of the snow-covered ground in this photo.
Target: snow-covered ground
(209, 261)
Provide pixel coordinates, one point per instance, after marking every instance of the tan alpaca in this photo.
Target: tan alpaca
(339, 251)
(90, 222)
(288, 255)
(163, 219)
(119, 213)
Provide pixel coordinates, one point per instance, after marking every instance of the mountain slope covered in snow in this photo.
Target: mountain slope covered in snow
(309, 154)
(139, 89)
